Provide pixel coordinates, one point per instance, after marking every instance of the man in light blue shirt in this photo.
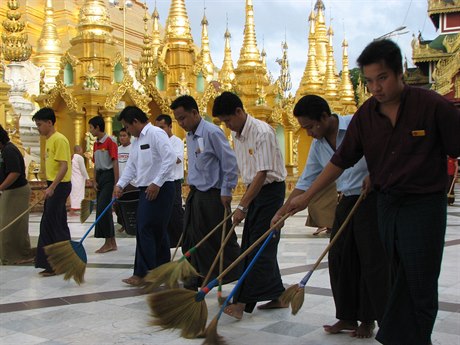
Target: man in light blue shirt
(212, 174)
(357, 267)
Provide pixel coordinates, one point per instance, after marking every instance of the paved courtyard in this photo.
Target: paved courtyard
(51, 311)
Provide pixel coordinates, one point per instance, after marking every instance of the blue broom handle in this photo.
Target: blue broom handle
(245, 273)
(97, 219)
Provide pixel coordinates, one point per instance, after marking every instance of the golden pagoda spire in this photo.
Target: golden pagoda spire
(94, 18)
(49, 50)
(227, 72)
(346, 92)
(15, 40)
(321, 37)
(205, 53)
(177, 24)
(156, 38)
(284, 79)
(249, 54)
(147, 58)
(330, 79)
(311, 79)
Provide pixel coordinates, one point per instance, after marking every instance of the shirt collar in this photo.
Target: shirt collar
(103, 139)
(146, 128)
(199, 130)
(245, 131)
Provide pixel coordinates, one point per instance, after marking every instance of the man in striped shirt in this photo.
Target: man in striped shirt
(262, 170)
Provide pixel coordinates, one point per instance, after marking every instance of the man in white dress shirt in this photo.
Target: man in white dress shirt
(176, 223)
(151, 162)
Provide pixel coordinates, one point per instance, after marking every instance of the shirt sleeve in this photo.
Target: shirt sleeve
(62, 153)
(312, 169)
(178, 147)
(81, 165)
(113, 150)
(227, 161)
(448, 123)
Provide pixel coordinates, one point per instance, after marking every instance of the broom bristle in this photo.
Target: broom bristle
(86, 208)
(169, 274)
(178, 309)
(288, 294)
(211, 336)
(65, 260)
(297, 300)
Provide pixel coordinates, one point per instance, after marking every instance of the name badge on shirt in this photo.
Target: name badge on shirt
(145, 146)
(418, 133)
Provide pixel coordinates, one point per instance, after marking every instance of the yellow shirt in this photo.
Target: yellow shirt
(57, 149)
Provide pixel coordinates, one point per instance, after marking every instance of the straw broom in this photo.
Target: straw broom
(295, 294)
(187, 310)
(69, 257)
(211, 336)
(172, 272)
(86, 208)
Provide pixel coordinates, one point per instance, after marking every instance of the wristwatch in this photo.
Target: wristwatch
(242, 208)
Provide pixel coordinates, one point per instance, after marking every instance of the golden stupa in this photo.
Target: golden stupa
(88, 57)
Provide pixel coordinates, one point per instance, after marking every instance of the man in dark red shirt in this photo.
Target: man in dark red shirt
(404, 133)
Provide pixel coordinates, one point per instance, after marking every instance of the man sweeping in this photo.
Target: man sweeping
(212, 174)
(151, 163)
(263, 172)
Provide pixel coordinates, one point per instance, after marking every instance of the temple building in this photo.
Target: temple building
(438, 60)
(92, 61)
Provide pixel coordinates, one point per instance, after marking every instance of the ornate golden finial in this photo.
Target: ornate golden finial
(330, 79)
(311, 79)
(285, 77)
(146, 61)
(249, 54)
(94, 18)
(205, 53)
(346, 92)
(227, 72)
(49, 50)
(321, 37)
(177, 24)
(15, 40)
(156, 37)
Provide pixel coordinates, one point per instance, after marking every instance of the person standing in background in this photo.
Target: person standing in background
(78, 180)
(105, 159)
(53, 225)
(176, 222)
(14, 190)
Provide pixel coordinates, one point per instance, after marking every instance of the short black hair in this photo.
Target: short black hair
(45, 114)
(164, 117)
(187, 102)
(123, 129)
(382, 50)
(4, 138)
(226, 104)
(312, 106)
(97, 121)
(131, 113)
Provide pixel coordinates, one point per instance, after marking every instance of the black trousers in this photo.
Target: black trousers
(105, 182)
(152, 242)
(53, 225)
(176, 222)
(358, 268)
(412, 228)
(263, 282)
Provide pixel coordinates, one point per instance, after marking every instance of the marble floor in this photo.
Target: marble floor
(103, 310)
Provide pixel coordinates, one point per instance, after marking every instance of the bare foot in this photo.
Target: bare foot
(235, 310)
(47, 273)
(134, 281)
(275, 304)
(319, 230)
(341, 325)
(365, 330)
(105, 248)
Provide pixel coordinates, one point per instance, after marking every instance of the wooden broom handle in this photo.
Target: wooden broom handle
(22, 214)
(214, 230)
(255, 244)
